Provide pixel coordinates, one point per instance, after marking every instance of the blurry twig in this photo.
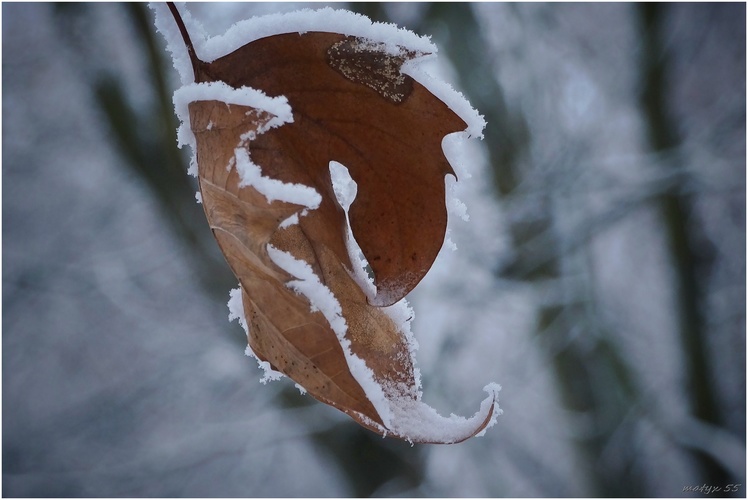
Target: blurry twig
(676, 209)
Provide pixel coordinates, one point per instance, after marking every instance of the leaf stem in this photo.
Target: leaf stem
(196, 62)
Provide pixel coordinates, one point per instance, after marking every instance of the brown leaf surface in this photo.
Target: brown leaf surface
(283, 330)
(353, 105)
(350, 104)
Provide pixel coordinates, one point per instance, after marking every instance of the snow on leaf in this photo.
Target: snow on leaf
(266, 121)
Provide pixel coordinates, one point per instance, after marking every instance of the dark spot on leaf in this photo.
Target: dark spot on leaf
(368, 63)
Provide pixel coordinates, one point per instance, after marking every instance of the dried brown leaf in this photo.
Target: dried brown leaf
(351, 104)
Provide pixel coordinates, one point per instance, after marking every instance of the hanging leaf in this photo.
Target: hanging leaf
(268, 118)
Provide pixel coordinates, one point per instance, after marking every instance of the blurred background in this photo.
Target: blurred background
(600, 279)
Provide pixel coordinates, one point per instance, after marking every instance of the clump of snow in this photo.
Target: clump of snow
(308, 284)
(419, 422)
(454, 148)
(343, 185)
(346, 189)
(493, 388)
(454, 205)
(449, 243)
(236, 308)
(269, 375)
(301, 389)
(402, 315)
(273, 189)
(292, 220)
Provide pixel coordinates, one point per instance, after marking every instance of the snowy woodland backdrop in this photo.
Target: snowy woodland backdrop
(600, 279)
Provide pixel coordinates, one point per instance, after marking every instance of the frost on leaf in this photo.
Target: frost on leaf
(281, 108)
